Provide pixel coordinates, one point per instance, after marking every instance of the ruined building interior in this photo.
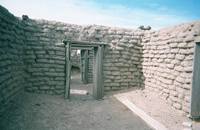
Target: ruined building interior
(41, 59)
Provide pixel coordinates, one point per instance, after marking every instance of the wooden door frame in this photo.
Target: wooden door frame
(195, 90)
(98, 47)
(67, 69)
(98, 89)
(84, 76)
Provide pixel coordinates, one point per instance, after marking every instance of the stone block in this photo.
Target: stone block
(189, 38)
(180, 79)
(177, 106)
(182, 45)
(170, 66)
(187, 86)
(179, 68)
(115, 73)
(188, 69)
(179, 56)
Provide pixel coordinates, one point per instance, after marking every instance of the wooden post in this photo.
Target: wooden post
(195, 92)
(98, 84)
(67, 69)
(84, 66)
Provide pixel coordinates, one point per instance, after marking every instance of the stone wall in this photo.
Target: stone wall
(11, 57)
(123, 59)
(167, 63)
(45, 54)
(33, 56)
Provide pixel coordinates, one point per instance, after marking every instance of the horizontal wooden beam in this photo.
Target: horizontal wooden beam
(83, 43)
(81, 48)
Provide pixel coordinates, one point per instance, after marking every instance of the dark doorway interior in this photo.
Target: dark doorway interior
(97, 65)
(80, 87)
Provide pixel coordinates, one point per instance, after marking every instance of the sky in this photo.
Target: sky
(120, 13)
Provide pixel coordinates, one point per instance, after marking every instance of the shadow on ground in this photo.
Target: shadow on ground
(48, 112)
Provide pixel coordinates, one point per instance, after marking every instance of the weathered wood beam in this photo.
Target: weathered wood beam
(67, 69)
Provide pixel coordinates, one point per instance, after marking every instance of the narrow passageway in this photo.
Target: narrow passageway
(81, 112)
(60, 75)
(77, 84)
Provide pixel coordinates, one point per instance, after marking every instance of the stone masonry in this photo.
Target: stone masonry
(12, 66)
(45, 55)
(32, 57)
(167, 63)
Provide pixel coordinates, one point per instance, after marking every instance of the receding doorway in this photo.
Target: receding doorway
(81, 83)
(89, 72)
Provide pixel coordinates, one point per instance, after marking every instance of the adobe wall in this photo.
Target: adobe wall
(12, 42)
(45, 54)
(33, 57)
(167, 63)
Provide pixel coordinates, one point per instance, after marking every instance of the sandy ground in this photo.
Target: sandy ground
(157, 108)
(77, 84)
(196, 125)
(48, 112)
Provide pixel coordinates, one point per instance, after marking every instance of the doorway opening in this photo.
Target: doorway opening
(90, 77)
(81, 83)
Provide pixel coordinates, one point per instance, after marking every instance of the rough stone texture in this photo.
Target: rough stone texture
(33, 55)
(167, 63)
(45, 54)
(45, 60)
(11, 57)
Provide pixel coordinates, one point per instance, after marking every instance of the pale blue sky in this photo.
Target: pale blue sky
(120, 13)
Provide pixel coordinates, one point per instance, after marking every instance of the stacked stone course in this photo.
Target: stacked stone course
(45, 54)
(32, 57)
(11, 57)
(168, 60)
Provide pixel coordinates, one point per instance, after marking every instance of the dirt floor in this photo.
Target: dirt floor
(48, 112)
(157, 108)
(78, 85)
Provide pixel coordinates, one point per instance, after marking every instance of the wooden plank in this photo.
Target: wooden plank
(195, 92)
(79, 47)
(82, 65)
(100, 74)
(90, 66)
(95, 72)
(86, 67)
(98, 89)
(84, 43)
(148, 119)
(67, 70)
